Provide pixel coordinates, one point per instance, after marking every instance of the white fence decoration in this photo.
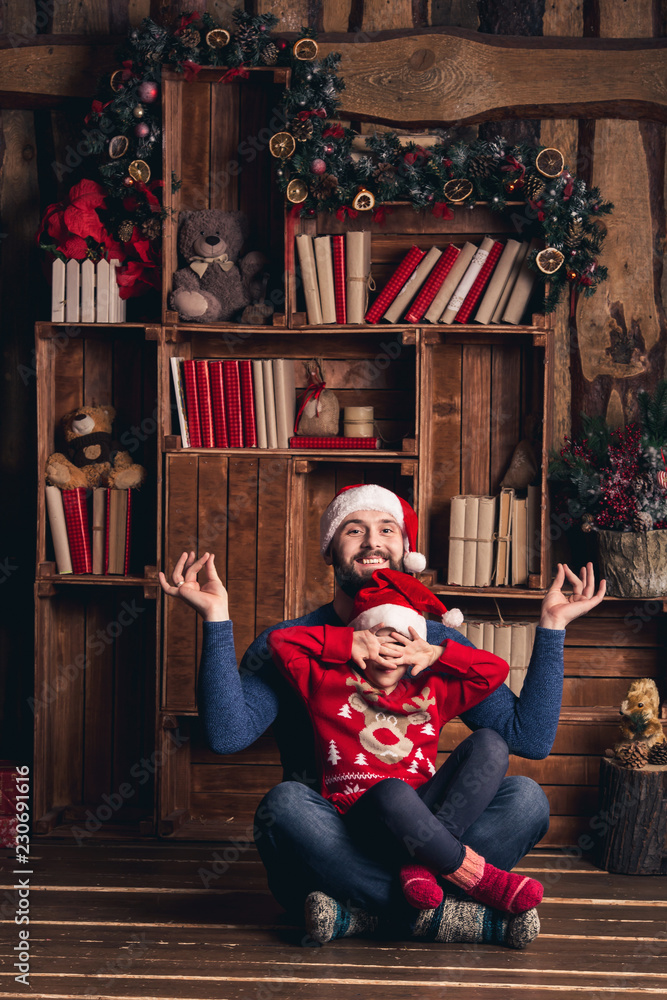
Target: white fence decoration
(86, 292)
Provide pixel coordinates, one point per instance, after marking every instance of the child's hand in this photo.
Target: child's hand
(208, 599)
(415, 652)
(367, 646)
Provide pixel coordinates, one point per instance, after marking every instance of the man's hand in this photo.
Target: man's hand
(558, 609)
(209, 599)
(366, 645)
(415, 651)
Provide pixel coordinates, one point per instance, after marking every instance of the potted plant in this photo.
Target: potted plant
(613, 482)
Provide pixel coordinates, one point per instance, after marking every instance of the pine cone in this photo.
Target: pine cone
(152, 228)
(642, 483)
(384, 173)
(190, 38)
(480, 166)
(658, 753)
(269, 54)
(247, 37)
(574, 235)
(642, 521)
(633, 755)
(125, 231)
(302, 130)
(533, 185)
(326, 187)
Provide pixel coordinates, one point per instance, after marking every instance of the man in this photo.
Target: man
(303, 843)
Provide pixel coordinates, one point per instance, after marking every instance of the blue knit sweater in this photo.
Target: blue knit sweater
(237, 705)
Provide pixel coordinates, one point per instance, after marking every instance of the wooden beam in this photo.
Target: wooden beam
(45, 73)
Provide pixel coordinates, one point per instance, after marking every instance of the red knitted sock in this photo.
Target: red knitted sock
(420, 887)
(502, 890)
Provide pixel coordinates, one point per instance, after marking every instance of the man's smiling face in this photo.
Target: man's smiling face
(365, 541)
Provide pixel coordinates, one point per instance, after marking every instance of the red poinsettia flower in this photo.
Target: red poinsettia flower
(80, 215)
(136, 277)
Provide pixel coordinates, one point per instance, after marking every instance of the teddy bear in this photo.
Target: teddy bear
(216, 285)
(90, 461)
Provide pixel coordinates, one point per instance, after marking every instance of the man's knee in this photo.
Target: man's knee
(531, 804)
(281, 802)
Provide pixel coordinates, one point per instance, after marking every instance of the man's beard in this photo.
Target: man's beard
(348, 577)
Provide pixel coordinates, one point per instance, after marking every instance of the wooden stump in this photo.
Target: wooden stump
(633, 809)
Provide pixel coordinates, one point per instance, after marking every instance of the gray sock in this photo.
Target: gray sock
(326, 919)
(459, 920)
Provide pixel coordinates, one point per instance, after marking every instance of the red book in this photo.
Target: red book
(432, 284)
(204, 400)
(394, 285)
(78, 534)
(338, 251)
(233, 408)
(367, 443)
(248, 404)
(217, 383)
(477, 287)
(191, 402)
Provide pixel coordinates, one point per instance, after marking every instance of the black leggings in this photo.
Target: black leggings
(400, 823)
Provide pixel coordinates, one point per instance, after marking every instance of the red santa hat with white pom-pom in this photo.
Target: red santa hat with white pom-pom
(368, 496)
(399, 601)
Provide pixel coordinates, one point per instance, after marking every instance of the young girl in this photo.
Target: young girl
(376, 733)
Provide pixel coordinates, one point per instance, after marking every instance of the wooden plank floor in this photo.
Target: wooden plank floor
(150, 920)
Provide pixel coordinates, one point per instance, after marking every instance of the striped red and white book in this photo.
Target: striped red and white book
(204, 400)
(394, 285)
(233, 408)
(365, 443)
(75, 506)
(248, 404)
(191, 402)
(432, 284)
(479, 284)
(217, 383)
(340, 293)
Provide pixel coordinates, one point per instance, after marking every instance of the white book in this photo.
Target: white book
(437, 308)
(54, 507)
(412, 286)
(325, 279)
(523, 287)
(497, 283)
(467, 280)
(311, 291)
(358, 269)
(176, 374)
(269, 404)
(284, 388)
(509, 284)
(260, 411)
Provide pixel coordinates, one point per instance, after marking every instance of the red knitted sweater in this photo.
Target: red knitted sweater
(363, 735)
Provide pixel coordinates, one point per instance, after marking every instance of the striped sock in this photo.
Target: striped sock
(326, 919)
(503, 890)
(465, 921)
(420, 887)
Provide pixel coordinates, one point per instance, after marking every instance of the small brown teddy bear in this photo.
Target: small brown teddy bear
(90, 461)
(216, 285)
(640, 712)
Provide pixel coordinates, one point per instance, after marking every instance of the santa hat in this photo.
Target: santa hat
(399, 601)
(372, 497)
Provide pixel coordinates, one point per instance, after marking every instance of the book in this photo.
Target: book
(56, 513)
(462, 563)
(519, 543)
(233, 409)
(338, 255)
(395, 283)
(217, 383)
(466, 282)
(412, 286)
(488, 636)
(311, 291)
(99, 527)
(480, 283)
(285, 394)
(179, 393)
(358, 269)
(470, 541)
(502, 640)
(270, 404)
(475, 634)
(486, 523)
(523, 287)
(435, 311)
(509, 284)
(191, 402)
(365, 443)
(75, 507)
(247, 403)
(325, 278)
(117, 534)
(260, 412)
(432, 284)
(204, 401)
(497, 283)
(503, 538)
(533, 528)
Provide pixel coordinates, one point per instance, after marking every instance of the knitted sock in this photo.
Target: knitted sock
(327, 919)
(503, 890)
(465, 921)
(420, 887)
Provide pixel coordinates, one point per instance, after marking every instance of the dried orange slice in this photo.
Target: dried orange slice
(457, 190)
(297, 191)
(139, 171)
(282, 145)
(118, 146)
(217, 38)
(364, 200)
(549, 260)
(550, 162)
(116, 81)
(305, 49)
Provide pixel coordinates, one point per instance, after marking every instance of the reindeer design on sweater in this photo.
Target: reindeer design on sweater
(385, 736)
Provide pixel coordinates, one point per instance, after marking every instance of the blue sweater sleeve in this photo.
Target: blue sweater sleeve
(528, 723)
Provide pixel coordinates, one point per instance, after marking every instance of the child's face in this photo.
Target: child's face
(380, 676)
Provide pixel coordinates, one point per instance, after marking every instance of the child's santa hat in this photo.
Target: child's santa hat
(399, 601)
(372, 497)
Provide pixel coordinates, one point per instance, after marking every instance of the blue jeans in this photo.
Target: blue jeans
(305, 845)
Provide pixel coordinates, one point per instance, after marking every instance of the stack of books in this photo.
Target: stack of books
(335, 272)
(91, 529)
(236, 403)
(494, 540)
(513, 641)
